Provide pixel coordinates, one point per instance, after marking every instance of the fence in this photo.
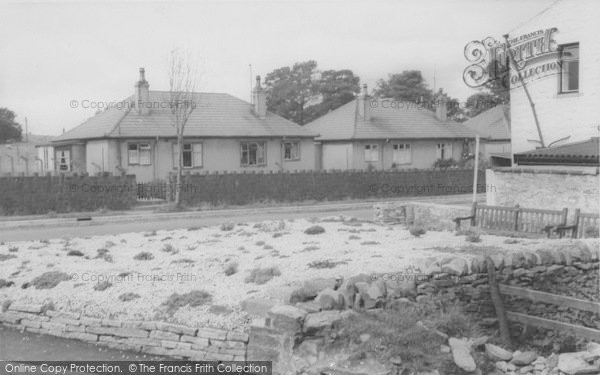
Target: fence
(44, 194)
(246, 188)
(529, 220)
(155, 190)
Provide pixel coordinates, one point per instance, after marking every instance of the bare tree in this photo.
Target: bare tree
(182, 84)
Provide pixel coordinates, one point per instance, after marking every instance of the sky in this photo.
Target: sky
(58, 57)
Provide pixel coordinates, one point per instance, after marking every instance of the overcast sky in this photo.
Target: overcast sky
(53, 53)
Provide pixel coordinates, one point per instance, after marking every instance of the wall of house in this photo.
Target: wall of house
(544, 188)
(560, 115)
(217, 155)
(101, 156)
(337, 156)
(423, 153)
(46, 155)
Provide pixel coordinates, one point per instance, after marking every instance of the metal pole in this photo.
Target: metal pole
(476, 168)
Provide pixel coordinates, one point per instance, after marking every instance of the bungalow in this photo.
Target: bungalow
(493, 126)
(223, 133)
(376, 133)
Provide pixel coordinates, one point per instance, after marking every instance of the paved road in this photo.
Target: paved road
(361, 210)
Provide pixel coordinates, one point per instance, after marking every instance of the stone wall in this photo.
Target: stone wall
(427, 215)
(156, 338)
(544, 189)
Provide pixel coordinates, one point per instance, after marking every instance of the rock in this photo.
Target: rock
(364, 337)
(362, 298)
(456, 266)
(329, 299)
(444, 348)
(573, 364)
(593, 348)
(525, 369)
(523, 359)
(552, 361)
(258, 306)
(461, 354)
(310, 306)
(319, 323)
(502, 366)
(348, 288)
(286, 317)
(477, 342)
(496, 353)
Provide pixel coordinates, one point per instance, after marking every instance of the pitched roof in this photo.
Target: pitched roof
(577, 153)
(407, 120)
(215, 115)
(493, 124)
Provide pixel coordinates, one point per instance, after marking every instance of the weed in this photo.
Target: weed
(183, 261)
(49, 280)
(315, 229)
(591, 232)
(169, 248)
(262, 275)
(4, 257)
(150, 234)
(354, 237)
(102, 286)
(365, 243)
(231, 268)
(191, 229)
(125, 297)
(260, 243)
(5, 305)
(417, 231)
(6, 284)
(109, 244)
(13, 249)
(225, 227)
(144, 255)
(310, 248)
(268, 247)
(75, 253)
(193, 299)
(322, 264)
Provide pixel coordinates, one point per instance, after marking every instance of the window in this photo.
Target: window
(443, 151)
(371, 153)
(569, 73)
(402, 154)
(253, 153)
(64, 160)
(192, 155)
(291, 150)
(138, 153)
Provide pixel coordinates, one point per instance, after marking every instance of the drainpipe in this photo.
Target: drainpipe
(155, 157)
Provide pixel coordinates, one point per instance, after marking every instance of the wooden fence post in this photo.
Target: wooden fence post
(565, 212)
(473, 213)
(516, 227)
(576, 219)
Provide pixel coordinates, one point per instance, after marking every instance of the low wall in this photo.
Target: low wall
(245, 188)
(543, 188)
(430, 216)
(44, 194)
(156, 338)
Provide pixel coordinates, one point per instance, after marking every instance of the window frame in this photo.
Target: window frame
(407, 147)
(147, 146)
(370, 150)
(442, 149)
(564, 63)
(291, 158)
(258, 144)
(192, 152)
(67, 157)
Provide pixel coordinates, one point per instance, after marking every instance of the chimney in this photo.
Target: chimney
(441, 109)
(142, 94)
(259, 96)
(363, 103)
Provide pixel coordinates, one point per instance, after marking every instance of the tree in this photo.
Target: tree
(10, 130)
(453, 107)
(407, 86)
(182, 84)
(481, 102)
(291, 90)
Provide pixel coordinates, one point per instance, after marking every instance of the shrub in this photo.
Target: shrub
(225, 227)
(144, 255)
(417, 231)
(369, 243)
(231, 268)
(13, 249)
(150, 234)
(310, 248)
(445, 163)
(102, 286)
(169, 248)
(315, 229)
(125, 297)
(49, 280)
(75, 253)
(109, 244)
(191, 229)
(193, 299)
(260, 243)
(262, 275)
(354, 237)
(589, 232)
(473, 237)
(183, 261)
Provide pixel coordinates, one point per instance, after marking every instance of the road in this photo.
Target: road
(40, 229)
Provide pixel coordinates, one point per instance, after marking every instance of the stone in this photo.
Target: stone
(310, 306)
(496, 353)
(318, 323)
(286, 318)
(444, 348)
(456, 267)
(461, 354)
(162, 335)
(364, 337)
(478, 342)
(237, 336)
(593, 348)
(258, 306)
(524, 358)
(35, 309)
(329, 299)
(573, 364)
(502, 366)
